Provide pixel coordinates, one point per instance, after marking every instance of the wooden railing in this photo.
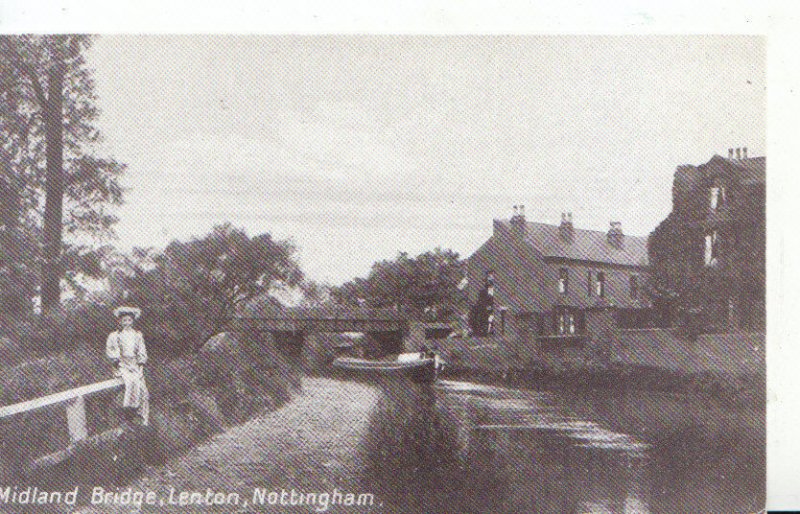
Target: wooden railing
(75, 406)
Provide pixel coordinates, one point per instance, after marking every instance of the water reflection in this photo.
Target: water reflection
(545, 452)
(544, 470)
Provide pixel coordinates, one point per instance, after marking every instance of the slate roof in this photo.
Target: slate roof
(752, 170)
(586, 245)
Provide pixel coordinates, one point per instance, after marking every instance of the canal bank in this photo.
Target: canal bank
(464, 446)
(271, 463)
(725, 367)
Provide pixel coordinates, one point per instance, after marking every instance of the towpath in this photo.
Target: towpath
(308, 446)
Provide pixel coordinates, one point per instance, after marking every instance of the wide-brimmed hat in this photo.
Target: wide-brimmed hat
(127, 310)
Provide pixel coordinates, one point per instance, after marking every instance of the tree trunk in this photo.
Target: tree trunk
(54, 187)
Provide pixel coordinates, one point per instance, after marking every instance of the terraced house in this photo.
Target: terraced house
(546, 280)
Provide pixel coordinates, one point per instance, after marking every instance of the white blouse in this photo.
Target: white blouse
(127, 345)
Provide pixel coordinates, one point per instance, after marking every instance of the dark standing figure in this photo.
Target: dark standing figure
(482, 314)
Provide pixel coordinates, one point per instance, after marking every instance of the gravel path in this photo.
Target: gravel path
(308, 446)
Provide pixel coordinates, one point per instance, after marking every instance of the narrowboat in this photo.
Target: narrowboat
(417, 367)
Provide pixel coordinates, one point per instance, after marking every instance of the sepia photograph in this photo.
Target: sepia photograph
(375, 273)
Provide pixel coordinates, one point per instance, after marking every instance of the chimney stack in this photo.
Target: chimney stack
(744, 153)
(615, 236)
(518, 220)
(730, 153)
(566, 230)
(738, 153)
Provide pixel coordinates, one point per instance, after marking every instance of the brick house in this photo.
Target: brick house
(544, 279)
(708, 255)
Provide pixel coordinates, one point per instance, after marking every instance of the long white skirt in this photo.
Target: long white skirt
(136, 394)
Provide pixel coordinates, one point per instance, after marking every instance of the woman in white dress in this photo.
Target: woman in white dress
(126, 346)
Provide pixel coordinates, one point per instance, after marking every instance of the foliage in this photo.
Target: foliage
(425, 286)
(314, 294)
(40, 336)
(241, 372)
(61, 184)
(698, 294)
(189, 289)
(182, 413)
(17, 267)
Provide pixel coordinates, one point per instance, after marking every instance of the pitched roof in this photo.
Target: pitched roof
(586, 245)
(752, 170)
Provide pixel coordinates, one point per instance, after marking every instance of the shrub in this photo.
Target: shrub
(189, 289)
(182, 414)
(241, 379)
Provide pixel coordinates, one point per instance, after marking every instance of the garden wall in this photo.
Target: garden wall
(735, 353)
(491, 353)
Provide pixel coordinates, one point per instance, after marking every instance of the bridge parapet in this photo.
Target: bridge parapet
(321, 319)
(317, 325)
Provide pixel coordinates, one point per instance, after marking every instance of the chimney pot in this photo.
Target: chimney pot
(518, 219)
(615, 236)
(566, 229)
(730, 153)
(738, 153)
(744, 153)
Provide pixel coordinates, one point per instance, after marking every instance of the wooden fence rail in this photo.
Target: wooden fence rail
(75, 406)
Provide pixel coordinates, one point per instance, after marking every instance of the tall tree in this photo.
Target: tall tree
(17, 277)
(205, 280)
(47, 114)
(314, 294)
(425, 286)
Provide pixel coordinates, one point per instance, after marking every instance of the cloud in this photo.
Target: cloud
(337, 142)
(362, 146)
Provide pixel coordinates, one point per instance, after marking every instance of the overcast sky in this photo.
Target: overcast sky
(360, 147)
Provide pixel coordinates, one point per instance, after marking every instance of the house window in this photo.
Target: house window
(563, 280)
(566, 324)
(634, 286)
(589, 284)
(716, 195)
(714, 198)
(711, 249)
(600, 284)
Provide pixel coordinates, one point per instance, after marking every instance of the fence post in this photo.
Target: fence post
(76, 420)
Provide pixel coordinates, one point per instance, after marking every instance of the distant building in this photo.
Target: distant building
(541, 280)
(708, 255)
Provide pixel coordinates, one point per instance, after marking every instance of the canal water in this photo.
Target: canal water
(478, 448)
